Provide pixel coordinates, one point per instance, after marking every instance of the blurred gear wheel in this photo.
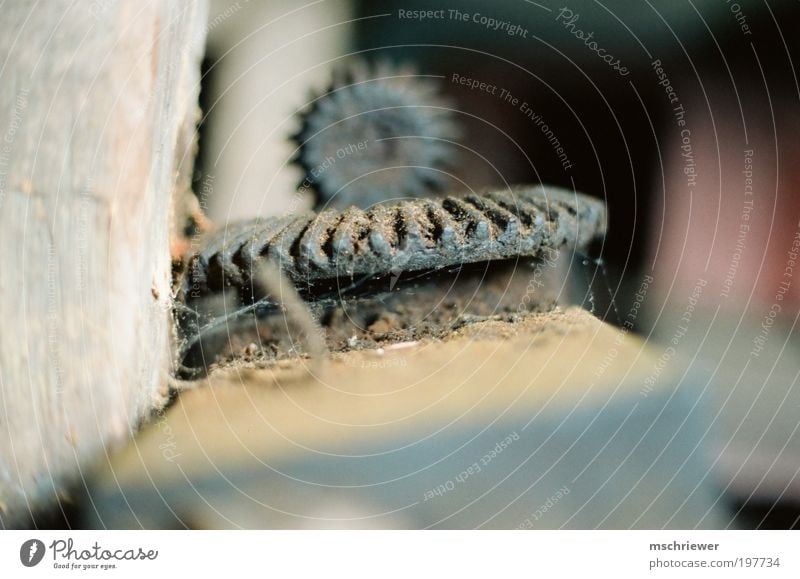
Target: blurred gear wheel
(379, 133)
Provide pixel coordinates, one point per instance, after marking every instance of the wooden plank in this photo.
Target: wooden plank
(392, 440)
(95, 97)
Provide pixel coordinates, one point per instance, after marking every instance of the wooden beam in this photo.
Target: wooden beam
(96, 103)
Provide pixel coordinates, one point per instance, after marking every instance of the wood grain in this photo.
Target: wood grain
(96, 97)
(363, 441)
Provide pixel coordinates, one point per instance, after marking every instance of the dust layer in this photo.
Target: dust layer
(411, 307)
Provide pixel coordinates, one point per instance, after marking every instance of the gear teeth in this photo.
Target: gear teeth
(445, 229)
(346, 235)
(370, 104)
(408, 224)
(506, 224)
(313, 242)
(259, 243)
(476, 225)
(283, 247)
(416, 235)
(382, 235)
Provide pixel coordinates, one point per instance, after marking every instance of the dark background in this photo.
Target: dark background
(613, 128)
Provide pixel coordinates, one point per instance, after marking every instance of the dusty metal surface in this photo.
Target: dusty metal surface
(379, 132)
(416, 269)
(362, 441)
(414, 235)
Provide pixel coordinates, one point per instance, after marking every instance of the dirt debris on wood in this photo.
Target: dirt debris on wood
(487, 300)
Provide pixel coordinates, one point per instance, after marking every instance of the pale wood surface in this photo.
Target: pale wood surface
(490, 367)
(362, 441)
(94, 98)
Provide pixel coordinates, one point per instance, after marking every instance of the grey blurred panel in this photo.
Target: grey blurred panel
(640, 462)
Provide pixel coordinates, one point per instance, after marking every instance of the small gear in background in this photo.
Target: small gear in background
(379, 133)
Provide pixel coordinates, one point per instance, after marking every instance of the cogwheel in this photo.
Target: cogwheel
(412, 235)
(379, 133)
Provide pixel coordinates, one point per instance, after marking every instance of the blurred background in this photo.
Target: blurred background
(683, 116)
(728, 65)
